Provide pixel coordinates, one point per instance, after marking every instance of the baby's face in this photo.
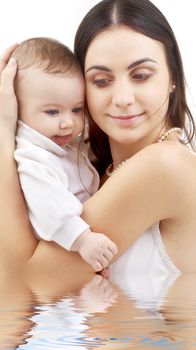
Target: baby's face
(52, 104)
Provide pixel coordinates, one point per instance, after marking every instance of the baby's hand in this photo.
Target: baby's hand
(95, 248)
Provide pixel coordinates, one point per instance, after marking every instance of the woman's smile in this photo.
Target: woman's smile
(127, 120)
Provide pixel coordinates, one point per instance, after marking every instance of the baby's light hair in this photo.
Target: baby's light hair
(48, 54)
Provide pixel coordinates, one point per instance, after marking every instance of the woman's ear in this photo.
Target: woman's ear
(172, 88)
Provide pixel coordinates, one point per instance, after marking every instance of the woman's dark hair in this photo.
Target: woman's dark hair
(144, 17)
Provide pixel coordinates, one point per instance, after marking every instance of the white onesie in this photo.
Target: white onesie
(55, 182)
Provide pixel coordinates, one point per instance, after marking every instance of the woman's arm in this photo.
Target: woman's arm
(11, 199)
(142, 192)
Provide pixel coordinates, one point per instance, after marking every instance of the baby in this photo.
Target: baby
(55, 173)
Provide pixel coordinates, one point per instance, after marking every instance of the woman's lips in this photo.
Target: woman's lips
(126, 120)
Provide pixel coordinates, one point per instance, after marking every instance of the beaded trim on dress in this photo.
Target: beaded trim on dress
(164, 256)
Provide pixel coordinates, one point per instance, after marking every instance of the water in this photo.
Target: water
(94, 313)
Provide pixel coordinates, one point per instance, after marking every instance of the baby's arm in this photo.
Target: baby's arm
(54, 211)
(95, 248)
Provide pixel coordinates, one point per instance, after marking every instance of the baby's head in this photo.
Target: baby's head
(46, 54)
(50, 89)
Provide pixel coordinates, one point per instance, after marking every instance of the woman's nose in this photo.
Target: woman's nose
(66, 122)
(123, 94)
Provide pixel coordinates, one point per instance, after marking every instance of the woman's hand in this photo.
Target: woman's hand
(8, 101)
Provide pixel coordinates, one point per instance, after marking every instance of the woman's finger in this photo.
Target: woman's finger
(4, 58)
(8, 75)
(8, 102)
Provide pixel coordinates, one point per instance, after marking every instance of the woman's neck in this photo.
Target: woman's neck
(121, 152)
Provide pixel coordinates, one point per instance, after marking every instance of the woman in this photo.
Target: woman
(136, 100)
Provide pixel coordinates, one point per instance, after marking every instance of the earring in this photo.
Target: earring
(173, 87)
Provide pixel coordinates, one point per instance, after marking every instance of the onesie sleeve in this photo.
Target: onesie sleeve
(53, 210)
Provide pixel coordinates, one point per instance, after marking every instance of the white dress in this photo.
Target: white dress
(145, 272)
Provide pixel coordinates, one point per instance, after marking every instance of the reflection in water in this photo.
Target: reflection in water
(98, 314)
(64, 323)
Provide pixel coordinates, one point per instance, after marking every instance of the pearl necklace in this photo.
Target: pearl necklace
(164, 136)
(110, 171)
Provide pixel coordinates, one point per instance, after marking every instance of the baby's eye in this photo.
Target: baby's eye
(78, 110)
(52, 112)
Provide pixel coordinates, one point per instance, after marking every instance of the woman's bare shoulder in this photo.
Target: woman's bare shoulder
(170, 155)
(166, 166)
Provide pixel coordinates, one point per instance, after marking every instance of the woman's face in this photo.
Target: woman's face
(127, 85)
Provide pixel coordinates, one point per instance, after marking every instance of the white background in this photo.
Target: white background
(20, 19)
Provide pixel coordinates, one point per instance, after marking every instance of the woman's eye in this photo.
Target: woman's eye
(101, 82)
(140, 77)
(52, 112)
(77, 110)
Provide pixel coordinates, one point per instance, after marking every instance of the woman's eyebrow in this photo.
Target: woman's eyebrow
(139, 62)
(103, 68)
(132, 65)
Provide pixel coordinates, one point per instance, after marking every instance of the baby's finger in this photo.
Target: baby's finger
(103, 261)
(108, 254)
(4, 58)
(97, 266)
(113, 248)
